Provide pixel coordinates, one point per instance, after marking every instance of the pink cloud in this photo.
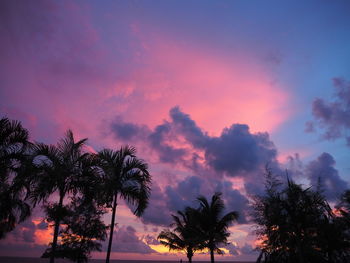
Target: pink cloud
(216, 90)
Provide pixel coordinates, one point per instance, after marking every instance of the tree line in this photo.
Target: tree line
(75, 187)
(294, 224)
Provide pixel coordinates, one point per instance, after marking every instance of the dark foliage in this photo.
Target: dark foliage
(185, 236)
(14, 152)
(298, 225)
(198, 229)
(62, 169)
(213, 223)
(123, 176)
(83, 230)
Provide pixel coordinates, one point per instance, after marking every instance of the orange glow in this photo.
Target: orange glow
(162, 249)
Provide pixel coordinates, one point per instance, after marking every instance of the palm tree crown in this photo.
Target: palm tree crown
(213, 225)
(14, 147)
(184, 237)
(59, 171)
(124, 176)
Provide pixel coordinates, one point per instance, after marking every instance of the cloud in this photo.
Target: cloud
(334, 116)
(23, 233)
(323, 169)
(22, 241)
(128, 131)
(237, 150)
(235, 201)
(208, 160)
(158, 142)
(157, 213)
(234, 152)
(151, 240)
(233, 249)
(126, 241)
(236, 250)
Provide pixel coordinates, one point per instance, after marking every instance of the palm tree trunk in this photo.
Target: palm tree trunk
(212, 255)
(114, 208)
(189, 254)
(55, 233)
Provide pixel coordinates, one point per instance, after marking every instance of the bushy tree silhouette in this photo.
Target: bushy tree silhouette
(297, 224)
(83, 230)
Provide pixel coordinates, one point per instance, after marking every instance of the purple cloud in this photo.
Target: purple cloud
(234, 152)
(126, 241)
(323, 170)
(333, 116)
(157, 213)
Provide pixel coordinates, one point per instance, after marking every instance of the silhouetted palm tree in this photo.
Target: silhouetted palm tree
(213, 225)
(14, 146)
(184, 237)
(60, 171)
(126, 177)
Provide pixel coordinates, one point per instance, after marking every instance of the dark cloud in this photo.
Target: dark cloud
(126, 241)
(234, 152)
(236, 250)
(174, 198)
(185, 126)
(157, 213)
(248, 249)
(128, 131)
(237, 150)
(233, 249)
(24, 232)
(333, 116)
(234, 201)
(158, 140)
(323, 170)
(21, 241)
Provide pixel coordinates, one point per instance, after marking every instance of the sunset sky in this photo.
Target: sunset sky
(209, 92)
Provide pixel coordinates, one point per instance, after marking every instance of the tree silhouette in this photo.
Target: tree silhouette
(14, 150)
(83, 229)
(297, 225)
(59, 172)
(212, 224)
(124, 176)
(185, 235)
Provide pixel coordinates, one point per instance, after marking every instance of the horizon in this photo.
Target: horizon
(208, 92)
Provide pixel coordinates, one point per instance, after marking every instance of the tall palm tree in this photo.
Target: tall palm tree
(213, 225)
(60, 172)
(184, 237)
(124, 176)
(14, 147)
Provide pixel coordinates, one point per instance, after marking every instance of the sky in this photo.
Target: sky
(209, 92)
